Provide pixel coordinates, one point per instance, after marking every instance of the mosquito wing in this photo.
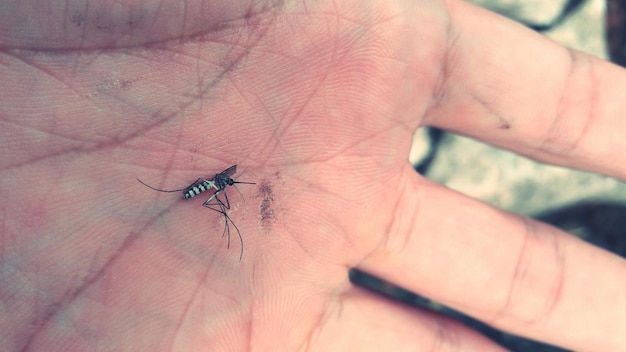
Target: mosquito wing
(228, 173)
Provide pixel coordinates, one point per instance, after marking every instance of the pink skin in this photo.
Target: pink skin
(316, 102)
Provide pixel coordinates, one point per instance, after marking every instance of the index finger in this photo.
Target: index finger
(508, 86)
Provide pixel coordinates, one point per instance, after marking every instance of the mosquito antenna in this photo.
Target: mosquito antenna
(161, 190)
(233, 182)
(248, 183)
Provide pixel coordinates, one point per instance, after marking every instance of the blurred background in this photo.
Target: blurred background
(590, 206)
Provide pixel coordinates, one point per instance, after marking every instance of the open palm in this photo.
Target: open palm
(316, 102)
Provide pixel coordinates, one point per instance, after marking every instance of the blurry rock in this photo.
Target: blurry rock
(616, 31)
(530, 12)
(514, 182)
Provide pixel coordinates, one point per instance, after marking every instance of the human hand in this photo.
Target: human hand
(316, 103)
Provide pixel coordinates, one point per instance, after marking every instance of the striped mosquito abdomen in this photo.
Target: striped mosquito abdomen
(199, 188)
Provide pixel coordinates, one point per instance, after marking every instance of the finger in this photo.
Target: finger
(514, 273)
(509, 86)
(378, 324)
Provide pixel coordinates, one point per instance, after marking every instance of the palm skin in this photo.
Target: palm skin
(317, 104)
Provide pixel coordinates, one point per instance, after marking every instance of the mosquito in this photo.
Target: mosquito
(219, 183)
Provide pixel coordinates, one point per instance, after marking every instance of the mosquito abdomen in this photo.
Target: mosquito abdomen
(197, 189)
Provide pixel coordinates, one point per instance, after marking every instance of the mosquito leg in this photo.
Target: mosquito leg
(195, 183)
(240, 239)
(208, 201)
(227, 219)
(222, 211)
(227, 205)
(164, 190)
